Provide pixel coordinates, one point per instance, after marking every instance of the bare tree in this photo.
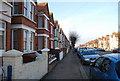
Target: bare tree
(73, 37)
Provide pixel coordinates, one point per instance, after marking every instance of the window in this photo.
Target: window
(31, 11)
(46, 23)
(40, 21)
(25, 8)
(25, 39)
(1, 40)
(15, 39)
(40, 43)
(99, 62)
(51, 30)
(105, 65)
(2, 36)
(32, 41)
(16, 7)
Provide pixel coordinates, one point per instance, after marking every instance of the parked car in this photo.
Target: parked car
(106, 67)
(80, 50)
(116, 50)
(89, 56)
(100, 49)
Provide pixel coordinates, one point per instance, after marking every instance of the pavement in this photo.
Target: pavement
(68, 68)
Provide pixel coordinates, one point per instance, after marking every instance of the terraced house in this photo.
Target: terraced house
(51, 40)
(108, 42)
(56, 32)
(5, 27)
(26, 29)
(43, 29)
(23, 25)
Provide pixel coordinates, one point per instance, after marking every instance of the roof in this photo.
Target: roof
(43, 7)
(115, 56)
(42, 4)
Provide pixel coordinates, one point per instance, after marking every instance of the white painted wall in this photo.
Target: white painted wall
(32, 70)
(5, 6)
(61, 55)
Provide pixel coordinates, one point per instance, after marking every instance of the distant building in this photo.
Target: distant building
(108, 42)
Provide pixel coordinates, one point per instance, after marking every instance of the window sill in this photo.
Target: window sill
(27, 52)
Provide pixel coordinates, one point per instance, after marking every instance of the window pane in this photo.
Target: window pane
(2, 25)
(15, 7)
(1, 39)
(15, 39)
(25, 39)
(99, 62)
(106, 65)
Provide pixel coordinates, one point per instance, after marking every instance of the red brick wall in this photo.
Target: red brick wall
(20, 39)
(8, 36)
(42, 31)
(23, 20)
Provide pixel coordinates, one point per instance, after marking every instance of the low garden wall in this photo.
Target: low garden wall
(32, 70)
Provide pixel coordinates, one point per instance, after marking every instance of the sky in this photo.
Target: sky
(90, 20)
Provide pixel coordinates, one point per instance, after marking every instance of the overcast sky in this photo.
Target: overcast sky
(89, 19)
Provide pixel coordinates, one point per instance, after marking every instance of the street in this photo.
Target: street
(70, 68)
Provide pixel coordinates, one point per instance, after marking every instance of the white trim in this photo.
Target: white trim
(33, 2)
(7, 3)
(51, 38)
(46, 16)
(23, 27)
(42, 28)
(45, 35)
(42, 14)
(3, 29)
(52, 23)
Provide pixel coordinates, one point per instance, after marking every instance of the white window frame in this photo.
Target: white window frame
(26, 45)
(3, 29)
(13, 39)
(32, 40)
(28, 41)
(31, 11)
(26, 8)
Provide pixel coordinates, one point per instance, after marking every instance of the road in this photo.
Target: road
(86, 67)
